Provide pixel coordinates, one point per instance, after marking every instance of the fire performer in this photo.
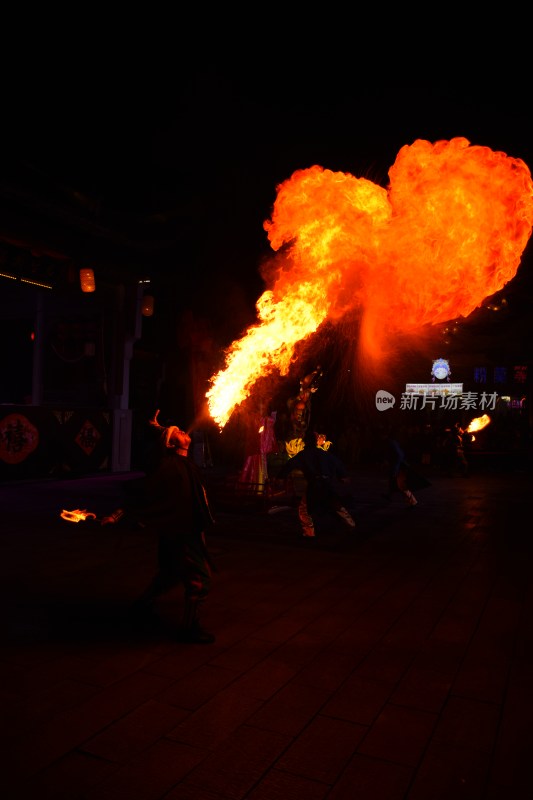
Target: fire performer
(460, 460)
(171, 498)
(260, 441)
(291, 429)
(327, 482)
(300, 406)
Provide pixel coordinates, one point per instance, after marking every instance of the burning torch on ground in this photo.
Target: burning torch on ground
(81, 515)
(78, 515)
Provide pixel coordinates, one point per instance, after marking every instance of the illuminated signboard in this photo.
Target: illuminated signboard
(440, 370)
(434, 389)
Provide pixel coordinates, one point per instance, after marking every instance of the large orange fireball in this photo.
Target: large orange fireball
(448, 232)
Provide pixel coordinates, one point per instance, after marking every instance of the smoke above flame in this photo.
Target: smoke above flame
(448, 231)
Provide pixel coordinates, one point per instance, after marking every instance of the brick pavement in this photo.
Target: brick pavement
(390, 663)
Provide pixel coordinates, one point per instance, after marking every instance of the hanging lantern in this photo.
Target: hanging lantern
(87, 280)
(147, 306)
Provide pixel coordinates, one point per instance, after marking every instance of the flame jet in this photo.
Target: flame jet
(448, 232)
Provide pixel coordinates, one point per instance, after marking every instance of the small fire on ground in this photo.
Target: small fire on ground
(77, 515)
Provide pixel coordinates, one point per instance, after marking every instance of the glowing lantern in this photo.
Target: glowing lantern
(87, 280)
(147, 306)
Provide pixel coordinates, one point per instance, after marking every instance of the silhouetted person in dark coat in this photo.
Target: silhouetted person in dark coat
(172, 500)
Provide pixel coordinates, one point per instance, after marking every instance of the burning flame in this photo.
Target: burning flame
(77, 515)
(294, 446)
(448, 232)
(478, 423)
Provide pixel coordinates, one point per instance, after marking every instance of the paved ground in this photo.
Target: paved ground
(393, 663)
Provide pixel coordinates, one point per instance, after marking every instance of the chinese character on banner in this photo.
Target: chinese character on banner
(480, 375)
(18, 438)
(520, 374)
(87, 437)
(500, 374)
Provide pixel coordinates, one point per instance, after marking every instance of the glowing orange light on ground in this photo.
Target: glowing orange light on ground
(77, 515)
(448, 232)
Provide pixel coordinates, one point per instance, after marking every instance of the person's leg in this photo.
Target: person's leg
(166, 577)
(404, 488)
(463, 463)
(306, 520)
(345, 515)
(409, 496)
(197, 581)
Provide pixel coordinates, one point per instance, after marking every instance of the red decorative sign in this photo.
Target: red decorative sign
(87, 437)
(18, 438)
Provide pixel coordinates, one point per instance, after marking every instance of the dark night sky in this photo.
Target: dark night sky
(215, 145)
(206, 150)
